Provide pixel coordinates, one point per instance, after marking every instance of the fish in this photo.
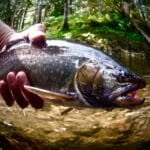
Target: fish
(73, 74)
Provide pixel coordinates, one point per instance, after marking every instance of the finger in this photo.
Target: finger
(16, 93)
(33, 99)
(5, 93)
(36, 35)
(37, 38)
(39, 41)
(40, 27)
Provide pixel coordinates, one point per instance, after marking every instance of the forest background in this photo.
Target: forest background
(105, 24)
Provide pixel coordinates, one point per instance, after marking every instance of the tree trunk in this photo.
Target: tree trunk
(38, 11)
(99, 2)
(65, 25)
(47, 6)
(8, 12)
(23, 17)
(19, 17)
(138, 4)
(14, 8)
(70, 11)
(135, 23)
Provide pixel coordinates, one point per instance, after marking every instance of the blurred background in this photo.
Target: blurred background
(105, 24)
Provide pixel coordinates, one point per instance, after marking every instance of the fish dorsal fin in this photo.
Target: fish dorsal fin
(47, 94)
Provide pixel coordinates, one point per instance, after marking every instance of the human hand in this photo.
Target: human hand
(12, 88)
(34, 35)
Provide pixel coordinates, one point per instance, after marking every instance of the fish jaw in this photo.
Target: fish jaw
(127, 96)
(127, 101)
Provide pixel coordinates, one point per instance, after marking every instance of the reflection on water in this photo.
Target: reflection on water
(139, 63)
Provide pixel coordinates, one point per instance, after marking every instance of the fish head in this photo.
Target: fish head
(107, 84)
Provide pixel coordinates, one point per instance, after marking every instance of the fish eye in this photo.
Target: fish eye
(121, 78)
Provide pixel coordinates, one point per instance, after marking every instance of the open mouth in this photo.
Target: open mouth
(126, 96)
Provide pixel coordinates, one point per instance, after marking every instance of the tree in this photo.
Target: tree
(47, 6)
(65, 25)
(13, 12)
(133, 11)
(38, 12)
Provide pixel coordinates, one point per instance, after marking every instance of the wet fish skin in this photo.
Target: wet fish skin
(66, 67)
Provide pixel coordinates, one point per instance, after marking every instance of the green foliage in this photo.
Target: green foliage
(108, 26)
(135, 36)
(97, 21)
(100, 30)
(58, 8)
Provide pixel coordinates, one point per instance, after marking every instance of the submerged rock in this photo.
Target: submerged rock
(56, 128)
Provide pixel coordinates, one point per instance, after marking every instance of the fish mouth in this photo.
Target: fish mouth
(126, 95)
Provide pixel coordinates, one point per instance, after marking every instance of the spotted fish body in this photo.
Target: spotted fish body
(65, 67)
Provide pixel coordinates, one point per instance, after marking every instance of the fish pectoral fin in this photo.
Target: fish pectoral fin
(45, 94)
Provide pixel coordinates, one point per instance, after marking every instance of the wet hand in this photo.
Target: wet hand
(12, 89)
(34, 35)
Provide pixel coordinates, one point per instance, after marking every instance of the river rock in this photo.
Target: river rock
(60, 128)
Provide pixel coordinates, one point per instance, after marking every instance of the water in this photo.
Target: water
(137, 62)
